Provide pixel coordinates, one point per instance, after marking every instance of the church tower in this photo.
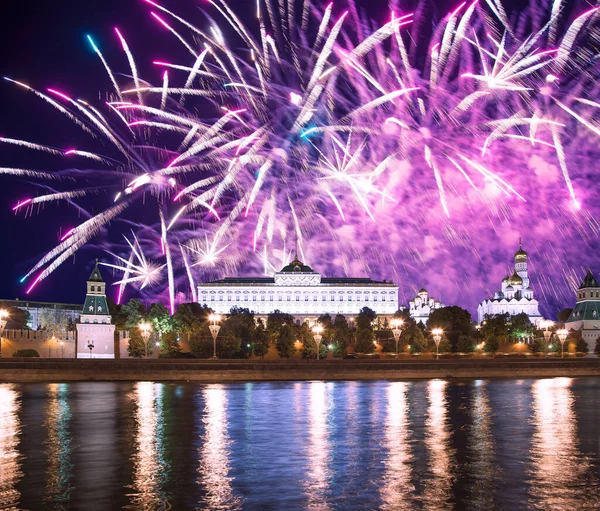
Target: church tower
(95, 333)
(521, 265)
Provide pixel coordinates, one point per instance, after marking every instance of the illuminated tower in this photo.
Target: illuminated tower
(94, 329)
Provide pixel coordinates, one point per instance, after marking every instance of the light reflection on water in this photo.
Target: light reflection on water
(315, 445)
(10, 468)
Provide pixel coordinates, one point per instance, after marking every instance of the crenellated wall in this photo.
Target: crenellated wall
(61, 345)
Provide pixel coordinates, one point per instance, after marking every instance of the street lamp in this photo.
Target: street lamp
(562, 337)
(3, 321)
(318, 335)
(214, 331)
(437, 337)
(62, 349)
(145, 328)
(90, 346)
(547, 334)
(397, 330)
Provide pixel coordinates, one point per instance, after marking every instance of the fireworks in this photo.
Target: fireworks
(371, 148)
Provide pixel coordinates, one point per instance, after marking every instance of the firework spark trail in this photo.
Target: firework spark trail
(312, 129)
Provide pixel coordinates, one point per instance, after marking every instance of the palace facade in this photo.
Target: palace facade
(300, 291)
(515, 295)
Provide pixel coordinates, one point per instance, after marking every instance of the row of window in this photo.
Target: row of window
(104, 321)
(583, 295)
(213, 298)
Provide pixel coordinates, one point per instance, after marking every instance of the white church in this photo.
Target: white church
(301, 292)
(516, 294)
(422, 305)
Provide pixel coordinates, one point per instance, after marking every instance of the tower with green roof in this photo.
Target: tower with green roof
(95, 331)
(586, 313)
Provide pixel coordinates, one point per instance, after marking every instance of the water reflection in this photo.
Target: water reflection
(561, 476)
(437, 441)
(397, 489)
(150, 467)
(481, 448)
(319, 448)
(10, 459)
(59, 471)
(215, 452)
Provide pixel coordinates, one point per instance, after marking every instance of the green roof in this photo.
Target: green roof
(95, 304)
(96, 276)
(589, 280)
(586, 310)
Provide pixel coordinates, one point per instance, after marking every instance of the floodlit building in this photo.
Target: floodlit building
(422, 305)
(586, 313)
(94, 328)
(515, 295)
(298, 290)
(39, 312)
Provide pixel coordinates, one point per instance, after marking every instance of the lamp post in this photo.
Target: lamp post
(214, 331)
(547, 334)
(90, 346)
(437, 337)
(562, 337)
(397, 330)
(318, 335)
(62, 349)
(3, 321)
(145, 329)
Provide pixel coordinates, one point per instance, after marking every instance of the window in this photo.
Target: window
(314, 298)
(270, 298)
(279, 298)
(289, 298)
(374, 298)
(221, 298)
(245, 298)
(383, 298)
(253, 298)
(93, 288)
(262, 298)
(297, 298)
(366, 298)
(349, 298)
(228, 298)
(306, 298)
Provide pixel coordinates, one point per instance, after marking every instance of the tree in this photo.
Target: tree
(136, 347)
(491, 345)
(160, 318)
(261, 339)
(341, 335)
(53, 321)
(134, 313)
(580, 344)
(496, 326)
(520, 327)
(285, 341)
(564, 314)
(201, 342)
(17, 318)
(465, 344)
(453, 320)
(169, 345)
(364, 330)
(275, 322)
(228, 345)
(597, 347)
(240, 323)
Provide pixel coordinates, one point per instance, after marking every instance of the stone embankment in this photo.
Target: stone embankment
(57, 370)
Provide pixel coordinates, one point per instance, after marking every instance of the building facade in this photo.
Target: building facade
(422, 305)
(586, 313)
(95, 329)
(301, 292)
(40, 312)
(515, 295)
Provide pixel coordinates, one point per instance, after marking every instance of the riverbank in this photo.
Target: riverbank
(57, 370)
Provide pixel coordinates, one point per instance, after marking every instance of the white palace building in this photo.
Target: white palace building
(301, 292)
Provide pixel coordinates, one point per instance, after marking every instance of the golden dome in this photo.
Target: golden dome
(515, 280)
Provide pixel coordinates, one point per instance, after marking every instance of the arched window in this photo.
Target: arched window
(92, 288)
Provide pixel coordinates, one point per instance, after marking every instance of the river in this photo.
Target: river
(392, 445)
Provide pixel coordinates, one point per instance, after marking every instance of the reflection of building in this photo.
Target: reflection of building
(586, 314)
(95, 326)
(40, 310)
(516, 295)
(300, 291)
(422, 305)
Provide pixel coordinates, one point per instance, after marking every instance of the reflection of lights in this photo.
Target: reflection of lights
(149, 468)
(319, 450)
(397, 488)
(437, 441)
(214, 462)
(59, 451)
(10, 459)
(558, 466)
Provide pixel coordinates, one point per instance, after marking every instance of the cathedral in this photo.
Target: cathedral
(422, 305)
(515, 296)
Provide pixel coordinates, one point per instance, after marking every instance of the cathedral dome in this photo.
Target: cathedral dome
(423, 291)
(515, 280)
(297, 266)
(505, 279)
(520, 255)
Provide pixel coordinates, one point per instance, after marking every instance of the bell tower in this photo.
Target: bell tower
(95, 332)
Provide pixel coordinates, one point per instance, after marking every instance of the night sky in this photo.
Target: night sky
(44, 45)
